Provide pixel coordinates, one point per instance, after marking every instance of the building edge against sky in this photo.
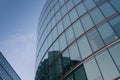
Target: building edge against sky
(6, 70)
(78, 40)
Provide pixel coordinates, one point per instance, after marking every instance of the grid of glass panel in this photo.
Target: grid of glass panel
(6, 71)
(78, 29)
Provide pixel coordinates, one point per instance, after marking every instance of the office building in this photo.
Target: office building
(86, 34)
(6, 70)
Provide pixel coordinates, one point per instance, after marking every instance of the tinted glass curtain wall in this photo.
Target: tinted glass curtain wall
(78, 40)
(6, 70)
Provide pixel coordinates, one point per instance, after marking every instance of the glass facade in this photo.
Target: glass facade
(78, 40)
(6, 71)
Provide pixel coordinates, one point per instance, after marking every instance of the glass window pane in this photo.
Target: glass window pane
(115, 52)
(95, 40)
(56, 46)
(92, 70)
(76, 1)
(84, 47)
(98, 1)
(96, 15)
(107, 66)
(50, 39)
(63, 10)
(80, 73)
(69, 77)
(54, 33)
(87, 22)
(80, 9)
(65, 0)
(107, 9)
(65, 61)
(77, 27)
(4, 75)
(74, 54)
(107, 33)
(56, 7)
(60, 27)
(115, 22)
(69, 5)
(70, 35)
(62, 42)
(89, 4)
(115, 3)
(61, 2)
(54, 68)
(58, 16)
(66, 21)
(58, 67)
(49, 27)
(51, 13)
(73, 15)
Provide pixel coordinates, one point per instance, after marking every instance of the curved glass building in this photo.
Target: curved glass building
(79, 40)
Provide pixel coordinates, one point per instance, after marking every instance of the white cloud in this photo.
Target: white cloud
(20, 52)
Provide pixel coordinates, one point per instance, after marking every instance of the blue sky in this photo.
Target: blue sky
(18, 24)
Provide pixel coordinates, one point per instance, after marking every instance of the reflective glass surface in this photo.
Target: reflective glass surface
(107, 33)
(70, 4)
(95, 40)
(107, 9)
(74, 53)
(87, 22)
(92, 70)
(96, 15)
(6, 70)
(70, 35)
(76, 1)
(80, 73)
(89, 4)
(107, 66)
(115, 22)
(62, 42)
(73, 15)
(84, 47)
(115, 52)
(66, 21)
(83, 37)
(80, 9)
(115, 3)
(77, 28)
